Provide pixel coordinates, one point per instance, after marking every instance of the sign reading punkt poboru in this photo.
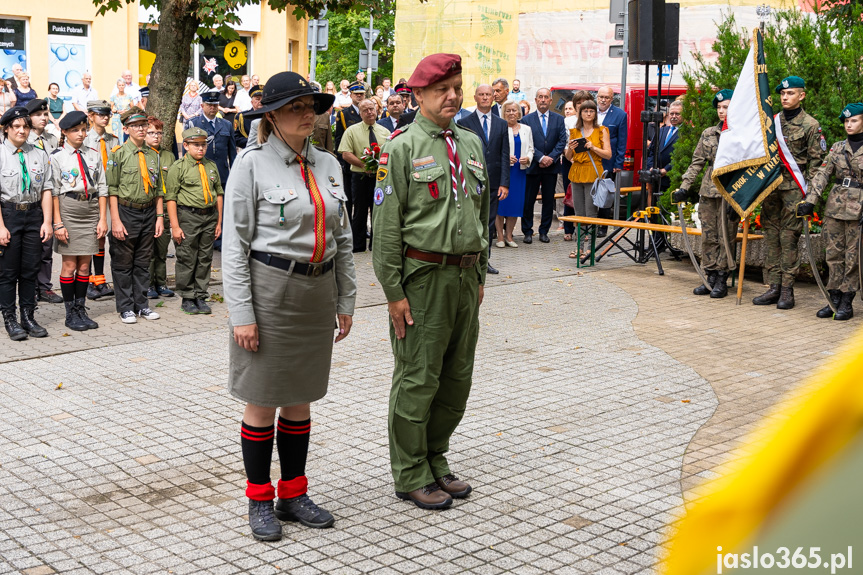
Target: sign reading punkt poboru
(67, 29)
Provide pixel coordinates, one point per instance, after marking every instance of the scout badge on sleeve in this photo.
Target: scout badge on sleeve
(379, 196)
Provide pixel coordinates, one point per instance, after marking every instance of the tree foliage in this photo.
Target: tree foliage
(819, 49)
(341, 59)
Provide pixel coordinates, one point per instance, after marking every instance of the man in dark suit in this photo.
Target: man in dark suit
(494, 133)
(549, 141)
(668, 136)
(614, 119)
(221, 146)
(395, 109)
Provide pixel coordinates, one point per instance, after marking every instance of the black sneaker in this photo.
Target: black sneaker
(105, 290)
(203, 307)
(189, 306)
(305, 511)
(48, 296)
(264, 525)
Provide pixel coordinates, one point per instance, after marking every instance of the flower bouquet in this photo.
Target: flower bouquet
(371, 156)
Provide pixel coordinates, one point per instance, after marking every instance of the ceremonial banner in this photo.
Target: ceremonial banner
(748, 166)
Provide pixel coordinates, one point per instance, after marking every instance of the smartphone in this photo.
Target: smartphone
(580, 144)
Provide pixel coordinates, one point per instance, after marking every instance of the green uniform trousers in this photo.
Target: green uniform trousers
(158, 269)
(713, 255)
(782, 229)
(433, 369)
(842, 238)
(195, 253)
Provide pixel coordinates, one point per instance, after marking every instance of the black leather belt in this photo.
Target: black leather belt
(199, 211)
(81, 196)
(849, 183)
(462, 261)
(308, 270)
(135, 206)
(21, 207)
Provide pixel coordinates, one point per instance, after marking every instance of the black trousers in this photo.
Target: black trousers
(363, 189)
(43, 279)
(535, 182)
(130, 258)
(19, 264)
(493, 201)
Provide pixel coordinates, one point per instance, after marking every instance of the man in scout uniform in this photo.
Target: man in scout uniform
(715, 261)
(346, 118)
(430, 257)
(842, 214)
(100, 140)
(135, 198)
(242, 124)
(195, 209)
(782, 228)
(158, 267)
(221, 148)
(39, 138)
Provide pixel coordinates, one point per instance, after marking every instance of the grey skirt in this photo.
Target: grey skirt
(80, 218)
(296, 317)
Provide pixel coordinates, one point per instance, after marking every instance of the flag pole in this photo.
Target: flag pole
(742, 261)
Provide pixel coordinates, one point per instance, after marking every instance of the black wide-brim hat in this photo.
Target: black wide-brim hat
(285, 87)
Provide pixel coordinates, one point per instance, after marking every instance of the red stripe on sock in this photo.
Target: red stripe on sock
(245, 435)
(101, 254)
(257, 492)
(293, 487)
(295, 430)
(83, 279)
(69, 280)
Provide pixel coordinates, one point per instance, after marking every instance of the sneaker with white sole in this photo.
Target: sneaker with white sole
(128, 317)
(147, 313)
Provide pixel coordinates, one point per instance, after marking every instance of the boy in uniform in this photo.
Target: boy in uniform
(135, 197)
(194, 197)
(158, 269)
(100, 140)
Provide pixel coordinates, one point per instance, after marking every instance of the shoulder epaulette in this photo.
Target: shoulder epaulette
(322, 149)
(54, 151)
(342, 118)
(398, 131)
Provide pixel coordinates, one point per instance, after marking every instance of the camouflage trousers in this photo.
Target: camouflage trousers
(782, 229)
(713, 256)
(842, 239)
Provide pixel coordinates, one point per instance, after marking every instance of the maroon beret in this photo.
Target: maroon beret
(435, 68)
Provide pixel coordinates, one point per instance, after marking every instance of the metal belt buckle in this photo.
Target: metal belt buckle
(316, 270)
(468, 261)
(22, 207)
(846, 182)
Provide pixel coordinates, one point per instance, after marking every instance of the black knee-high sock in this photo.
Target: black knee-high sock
(98, 265)
(81, 284)
(257, 445)
(67, 288)
(292, 441)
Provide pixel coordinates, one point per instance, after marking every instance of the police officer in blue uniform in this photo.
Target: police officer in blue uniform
(221, 147)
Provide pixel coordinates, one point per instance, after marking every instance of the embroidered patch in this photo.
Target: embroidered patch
(388, 190)
(475, 164)
(433, 190)
(379, 196)
(333, 182)
(384, 159)
(479, 189)
(823, 143)
(75, 172)
(382, 173)
(111, 163)
(423, 163)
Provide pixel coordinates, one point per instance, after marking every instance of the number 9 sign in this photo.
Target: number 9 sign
(236, 54)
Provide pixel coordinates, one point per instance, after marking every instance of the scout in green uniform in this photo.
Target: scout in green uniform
(431, 256)
(782, 228)
(195, 208)
(135, 196)
(158, 269)
(714, 258)
(842, 214)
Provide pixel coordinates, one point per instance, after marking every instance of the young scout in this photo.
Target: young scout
(430, 257)
(782, 228)
(40, 117)
(100, 140)
(842, 215)
(135, 198)
(158, 268)
(714, 258)
(194, 196)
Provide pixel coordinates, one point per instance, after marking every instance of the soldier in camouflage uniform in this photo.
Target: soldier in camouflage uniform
(714, 260)
(782, 227)
(842, 214)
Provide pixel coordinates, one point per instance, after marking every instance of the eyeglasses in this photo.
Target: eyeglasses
(137, 127)
(301, 107)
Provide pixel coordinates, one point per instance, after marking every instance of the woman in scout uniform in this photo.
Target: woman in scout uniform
(158, 268)
(194, 202)
(135, 200)
(25, 222)
(842, 214)
(102, 141)
(715, 261)
(80, 215)
(288, 273)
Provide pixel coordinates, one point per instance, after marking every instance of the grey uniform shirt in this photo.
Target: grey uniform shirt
(68, 176)
(46, 141)
(11, 175)
(265, 182)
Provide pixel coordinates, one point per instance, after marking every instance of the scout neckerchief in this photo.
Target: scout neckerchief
(84, 172)
(103, 148)
(145, 175)
(205, 184)
(40, 143)
(454, 164)
(25, 175)
(320, 210)
(787, 158)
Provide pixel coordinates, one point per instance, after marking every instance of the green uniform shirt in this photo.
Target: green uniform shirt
(356, 140)
(184, 183)
(843, 202)
(704, 155)
(414, 202)
(806, 144)
(124, 175)
(166, 160)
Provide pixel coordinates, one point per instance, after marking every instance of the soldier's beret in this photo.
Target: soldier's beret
(194, 133)
(435, 68)
(13, 114)
(72, 119)
(851, 110)
(99, 106)
(36, 105)
(133, 115)
(211, 97)
(721, 96)
(256, 90)
(357, 87)
(790, 82)
(402, 88)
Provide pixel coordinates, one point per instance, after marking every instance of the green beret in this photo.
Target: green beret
(133, 115)
(791, 82)
(721, 96)
(851, 110)
(194, 133)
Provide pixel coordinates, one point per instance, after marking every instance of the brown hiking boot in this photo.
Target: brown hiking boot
(454, 486)
(770, 297)
(429, 497)
(786, 299)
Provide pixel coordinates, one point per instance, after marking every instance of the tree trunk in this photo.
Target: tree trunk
(178, 24)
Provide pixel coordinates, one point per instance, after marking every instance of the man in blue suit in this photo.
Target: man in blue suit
(221, 147)
(549, 141)
(494, 133)
(668, 136)
(614, 119)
